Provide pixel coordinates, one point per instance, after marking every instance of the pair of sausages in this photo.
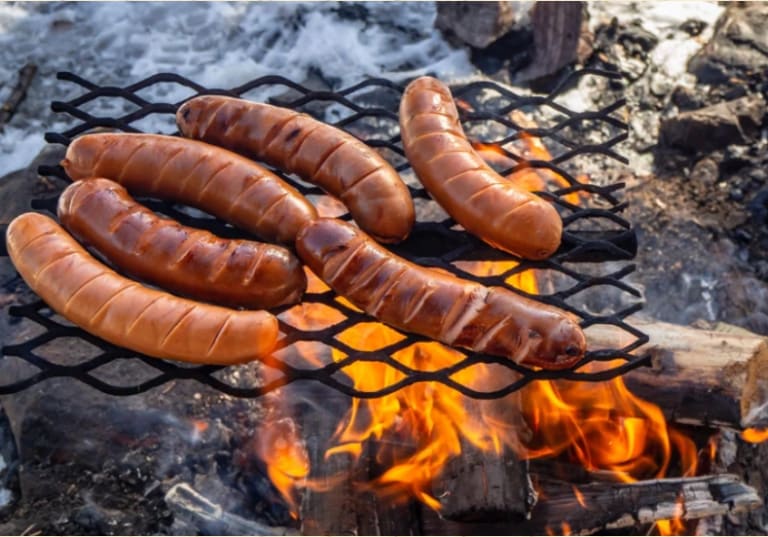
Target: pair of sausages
(126, 313)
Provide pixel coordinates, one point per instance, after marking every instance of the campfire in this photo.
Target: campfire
(355, 426)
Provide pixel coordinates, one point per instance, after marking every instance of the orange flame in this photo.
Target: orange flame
(278, 444)
(579, 497)
(529, 147)
(754, 436)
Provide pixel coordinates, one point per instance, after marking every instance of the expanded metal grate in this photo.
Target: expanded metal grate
(586, 275)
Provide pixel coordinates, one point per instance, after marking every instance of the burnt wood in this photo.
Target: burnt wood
(613, 506)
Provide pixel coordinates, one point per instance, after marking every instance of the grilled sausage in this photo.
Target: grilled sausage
(483, 202)
(215, 180)
(319, 153)
(188, 261)
(124, 312)
(492, 320)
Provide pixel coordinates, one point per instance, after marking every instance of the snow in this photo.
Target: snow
(222, 45)
(216, 44)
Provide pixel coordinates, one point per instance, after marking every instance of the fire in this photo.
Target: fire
(754, 436)
(416, 430)
(529, 148)
(278, 444)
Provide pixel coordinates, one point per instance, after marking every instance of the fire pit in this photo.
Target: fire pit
(499, 406)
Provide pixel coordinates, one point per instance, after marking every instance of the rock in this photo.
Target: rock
(477, 24)
(706, 170)
(637, 41)
(693, 27)
(739, 47)
(716, 126)
(686, 98)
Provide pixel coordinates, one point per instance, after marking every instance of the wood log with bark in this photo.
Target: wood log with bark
(19, 92)
(716, 377)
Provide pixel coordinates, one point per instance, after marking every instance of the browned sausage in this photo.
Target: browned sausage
(487, 205)
(188, 261)
(492, 320)
(338, 162)
(215, 180)
(124, 312)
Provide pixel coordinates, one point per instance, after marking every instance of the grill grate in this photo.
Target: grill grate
(595, 235)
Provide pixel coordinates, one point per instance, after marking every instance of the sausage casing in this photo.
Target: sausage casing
(124, 312)
(188, 261)
(210, 178)
(338, 162)
(491, 320)
(486, 204)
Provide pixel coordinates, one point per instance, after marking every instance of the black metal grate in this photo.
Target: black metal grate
(594, 233)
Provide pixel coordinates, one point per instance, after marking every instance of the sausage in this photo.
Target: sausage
(487, 205)
(491, 320)
(187, 261)
(124, 312)
(319, 153)
(210, 178)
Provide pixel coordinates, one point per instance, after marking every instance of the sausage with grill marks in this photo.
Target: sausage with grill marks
(210, 178)
(486, 204)
(188, 261)
(338, 162)
(126, 313)
(491, 320)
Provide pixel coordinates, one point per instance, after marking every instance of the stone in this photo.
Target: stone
(717, 126)
(477, 24)
(739, 47)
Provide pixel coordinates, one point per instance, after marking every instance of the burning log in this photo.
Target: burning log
(610, 506)
(699, 377)
(485, 486)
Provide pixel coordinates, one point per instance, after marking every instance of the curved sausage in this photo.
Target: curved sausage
(213, 179)
(491, 320)
(124, 312)
(319, 153)
(483, 202)
(188, 261)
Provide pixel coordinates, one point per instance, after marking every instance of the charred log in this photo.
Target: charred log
(611, 506)
(485, 486)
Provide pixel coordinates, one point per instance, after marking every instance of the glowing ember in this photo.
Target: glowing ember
(754, 436)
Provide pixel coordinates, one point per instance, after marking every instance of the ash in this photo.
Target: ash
(697, 187)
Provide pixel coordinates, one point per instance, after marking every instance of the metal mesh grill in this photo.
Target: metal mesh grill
(585, 276)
